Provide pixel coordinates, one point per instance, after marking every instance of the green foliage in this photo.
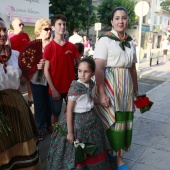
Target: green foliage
(76, 12)
(165, 5)
(30, 31)
(105, 10)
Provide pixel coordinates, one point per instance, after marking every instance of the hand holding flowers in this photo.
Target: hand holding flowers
(143, 103)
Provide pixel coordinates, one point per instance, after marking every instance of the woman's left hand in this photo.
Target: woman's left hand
(41, 64)
(104, 100)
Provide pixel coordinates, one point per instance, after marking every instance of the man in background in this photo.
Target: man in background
(165, 46)
(18, 40)
(75, 38)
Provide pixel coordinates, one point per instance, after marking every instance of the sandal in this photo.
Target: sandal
(41, 137)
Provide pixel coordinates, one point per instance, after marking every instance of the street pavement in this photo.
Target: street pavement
(150, 148)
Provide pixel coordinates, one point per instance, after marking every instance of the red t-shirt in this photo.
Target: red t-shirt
(61, 68)
(18, 41)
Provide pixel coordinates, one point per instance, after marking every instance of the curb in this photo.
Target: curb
(153, 77)
(157, 87)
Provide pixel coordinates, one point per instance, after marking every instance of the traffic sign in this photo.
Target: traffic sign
(141, 8)
(97, 26)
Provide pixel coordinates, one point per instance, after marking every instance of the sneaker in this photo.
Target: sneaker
(122, 167)
(50, 129)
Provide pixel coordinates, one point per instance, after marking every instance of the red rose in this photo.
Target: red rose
(138, 102)
(146, 101)
(143, 103)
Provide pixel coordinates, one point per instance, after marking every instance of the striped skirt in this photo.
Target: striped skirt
(18, 149)
(87, 129)
(117, 118)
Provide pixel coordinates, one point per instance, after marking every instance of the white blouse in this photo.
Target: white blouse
(110, 51)
(84, 102)
(11, 79)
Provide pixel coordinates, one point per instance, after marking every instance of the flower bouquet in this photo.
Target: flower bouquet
(143, 103)
(81, 149)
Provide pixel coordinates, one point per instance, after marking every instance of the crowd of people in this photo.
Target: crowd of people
(164, 47)
(78, 140)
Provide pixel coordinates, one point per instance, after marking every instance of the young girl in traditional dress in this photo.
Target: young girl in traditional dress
(80, 123)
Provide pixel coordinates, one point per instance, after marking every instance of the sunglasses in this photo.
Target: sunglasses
(21, 24)
(3, 29)
(47, 29)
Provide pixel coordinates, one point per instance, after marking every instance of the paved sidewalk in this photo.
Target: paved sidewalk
(151, 135)
(156, 72)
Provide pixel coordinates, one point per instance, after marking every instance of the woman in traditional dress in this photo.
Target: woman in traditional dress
(18, 132)
(81, 124)
(116, 80)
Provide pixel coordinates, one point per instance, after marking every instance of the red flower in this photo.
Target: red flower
(138, 102)
(143, 103)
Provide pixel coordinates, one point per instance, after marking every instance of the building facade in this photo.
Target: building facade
(156, 24)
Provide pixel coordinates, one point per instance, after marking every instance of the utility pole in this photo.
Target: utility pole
(141, 9)
(88, 16)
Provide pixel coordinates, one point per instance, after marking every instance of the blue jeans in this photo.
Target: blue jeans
(42, 106)
(56, 105)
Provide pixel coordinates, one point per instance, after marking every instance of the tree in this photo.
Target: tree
(79, 13)
(165, 5)
(105, 9)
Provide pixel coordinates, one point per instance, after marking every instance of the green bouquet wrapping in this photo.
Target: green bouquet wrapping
(81, 149)
(4, 128)
(143, 103)
(60, 130)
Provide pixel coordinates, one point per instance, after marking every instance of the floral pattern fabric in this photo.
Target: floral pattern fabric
(87, 129)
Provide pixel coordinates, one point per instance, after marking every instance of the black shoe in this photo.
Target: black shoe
(41, 137)
(30, 103)
(50, 129)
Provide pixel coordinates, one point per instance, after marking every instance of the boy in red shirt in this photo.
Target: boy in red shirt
(60, 56)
